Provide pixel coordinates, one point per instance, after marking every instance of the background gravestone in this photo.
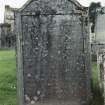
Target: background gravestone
(7, 37)
(53, 59)
(100, 48)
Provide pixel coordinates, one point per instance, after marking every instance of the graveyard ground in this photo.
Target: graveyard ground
(8, 80)
(97, 95)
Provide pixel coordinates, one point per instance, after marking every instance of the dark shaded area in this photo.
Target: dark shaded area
(94, 58)
(8, 38)
(97, 92)
(98, 99)
(93, 13)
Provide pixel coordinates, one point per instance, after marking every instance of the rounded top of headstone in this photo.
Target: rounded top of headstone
(51, 6)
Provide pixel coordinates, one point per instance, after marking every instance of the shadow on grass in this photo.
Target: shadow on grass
(97, 95)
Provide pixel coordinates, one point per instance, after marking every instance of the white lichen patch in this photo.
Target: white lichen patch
(38, 92)
(28, 75)
(59, 52)
(36, 98)
(27, 98)
(32, 102)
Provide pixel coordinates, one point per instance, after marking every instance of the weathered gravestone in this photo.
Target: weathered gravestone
(53, 59)
(101, 68)
(4, 33)
(100, 47)
(7, 37)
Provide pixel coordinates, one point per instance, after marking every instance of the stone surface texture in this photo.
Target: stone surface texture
(53, 59)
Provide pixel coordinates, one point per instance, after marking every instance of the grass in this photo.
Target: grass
(97, 95)
(7, 78)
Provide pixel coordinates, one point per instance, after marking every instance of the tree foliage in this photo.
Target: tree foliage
(93, 12)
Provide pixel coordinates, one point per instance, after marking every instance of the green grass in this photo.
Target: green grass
(95, 75)
(7, 78)
(97, 95)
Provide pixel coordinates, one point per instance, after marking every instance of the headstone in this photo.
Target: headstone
(7, 38)
(100, 47)
(101, 68)
(100, 26)
(53, 53)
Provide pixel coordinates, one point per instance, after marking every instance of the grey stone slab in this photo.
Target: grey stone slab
(53, 54)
